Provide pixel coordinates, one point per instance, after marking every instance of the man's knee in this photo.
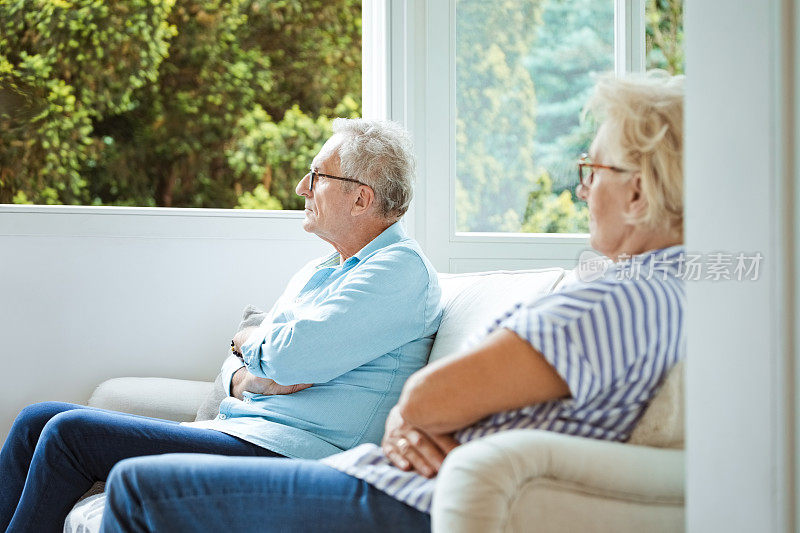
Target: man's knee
(67, 428)
(32, 419)
(38, 414)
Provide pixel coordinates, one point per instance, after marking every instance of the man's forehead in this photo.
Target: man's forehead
(328, 149)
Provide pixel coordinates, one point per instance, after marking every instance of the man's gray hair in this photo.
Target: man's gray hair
(379, 153)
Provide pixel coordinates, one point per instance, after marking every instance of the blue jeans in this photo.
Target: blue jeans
(56, 451)
(188, 493)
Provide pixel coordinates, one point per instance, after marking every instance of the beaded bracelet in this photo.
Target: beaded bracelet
(236, 352)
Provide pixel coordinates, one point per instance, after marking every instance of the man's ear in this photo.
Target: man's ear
(637, 203)
(364, 200)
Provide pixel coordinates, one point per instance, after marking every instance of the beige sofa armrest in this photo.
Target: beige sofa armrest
(171, 399)
(530, 480)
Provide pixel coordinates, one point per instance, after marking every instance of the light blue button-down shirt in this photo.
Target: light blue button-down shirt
(357, 331)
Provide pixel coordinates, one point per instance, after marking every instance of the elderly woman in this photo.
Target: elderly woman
(584, 361)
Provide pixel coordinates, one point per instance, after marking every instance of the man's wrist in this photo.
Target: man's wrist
(237, 380)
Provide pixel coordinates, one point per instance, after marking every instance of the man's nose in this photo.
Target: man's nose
(302, 187)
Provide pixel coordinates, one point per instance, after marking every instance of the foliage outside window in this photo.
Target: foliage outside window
(524, 69)
(664, 35)
(182, 103)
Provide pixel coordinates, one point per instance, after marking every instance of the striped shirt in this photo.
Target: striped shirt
(612, 340)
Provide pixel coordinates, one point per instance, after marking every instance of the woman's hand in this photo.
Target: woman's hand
(409, 448)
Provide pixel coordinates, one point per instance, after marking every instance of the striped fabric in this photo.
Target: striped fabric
(613, 341)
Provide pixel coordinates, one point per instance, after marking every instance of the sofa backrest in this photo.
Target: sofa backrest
(472, 301)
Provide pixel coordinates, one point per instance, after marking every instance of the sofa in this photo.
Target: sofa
(520, 480)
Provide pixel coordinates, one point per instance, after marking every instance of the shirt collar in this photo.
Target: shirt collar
(391, 235)
(669, 259)
(670, 253)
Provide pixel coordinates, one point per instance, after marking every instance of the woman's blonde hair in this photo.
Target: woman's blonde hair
(643, 118)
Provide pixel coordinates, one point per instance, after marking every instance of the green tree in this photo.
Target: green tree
(71, 64)
(664, 35)
(549, 212)
(314, 49)
(258, 199)
(524, 72)
(574, 42)
(496, 109)
(274, 156)
(204, 67)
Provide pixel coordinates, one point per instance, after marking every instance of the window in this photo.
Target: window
(524, 70)
(664, 35)
(192, 103)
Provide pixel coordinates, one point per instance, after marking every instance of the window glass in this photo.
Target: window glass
(664, 35)
(175, 103)
(524, 70)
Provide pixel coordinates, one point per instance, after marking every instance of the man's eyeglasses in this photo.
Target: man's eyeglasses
(586, 170)
(314, 175)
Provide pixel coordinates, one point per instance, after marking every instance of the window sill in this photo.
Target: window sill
(150, 222)
(522, 238)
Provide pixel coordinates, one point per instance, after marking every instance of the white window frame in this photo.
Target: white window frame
(419, 92)
(408, 76)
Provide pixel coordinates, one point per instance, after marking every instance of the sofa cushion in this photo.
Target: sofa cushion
(209, 409)
(472, 301)
(86, 516)
(173, 399)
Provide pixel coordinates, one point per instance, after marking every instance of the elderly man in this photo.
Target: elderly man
(318, 376)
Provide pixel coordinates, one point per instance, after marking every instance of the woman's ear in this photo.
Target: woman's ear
(637, 203)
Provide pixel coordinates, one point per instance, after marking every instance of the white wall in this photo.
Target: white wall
(739, 190)
(87, 294)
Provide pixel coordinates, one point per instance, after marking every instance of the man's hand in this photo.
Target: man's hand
(410, 448)
(243, 380)
(240, 338)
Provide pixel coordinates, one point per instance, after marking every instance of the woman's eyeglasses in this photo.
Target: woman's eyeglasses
(586, 170)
